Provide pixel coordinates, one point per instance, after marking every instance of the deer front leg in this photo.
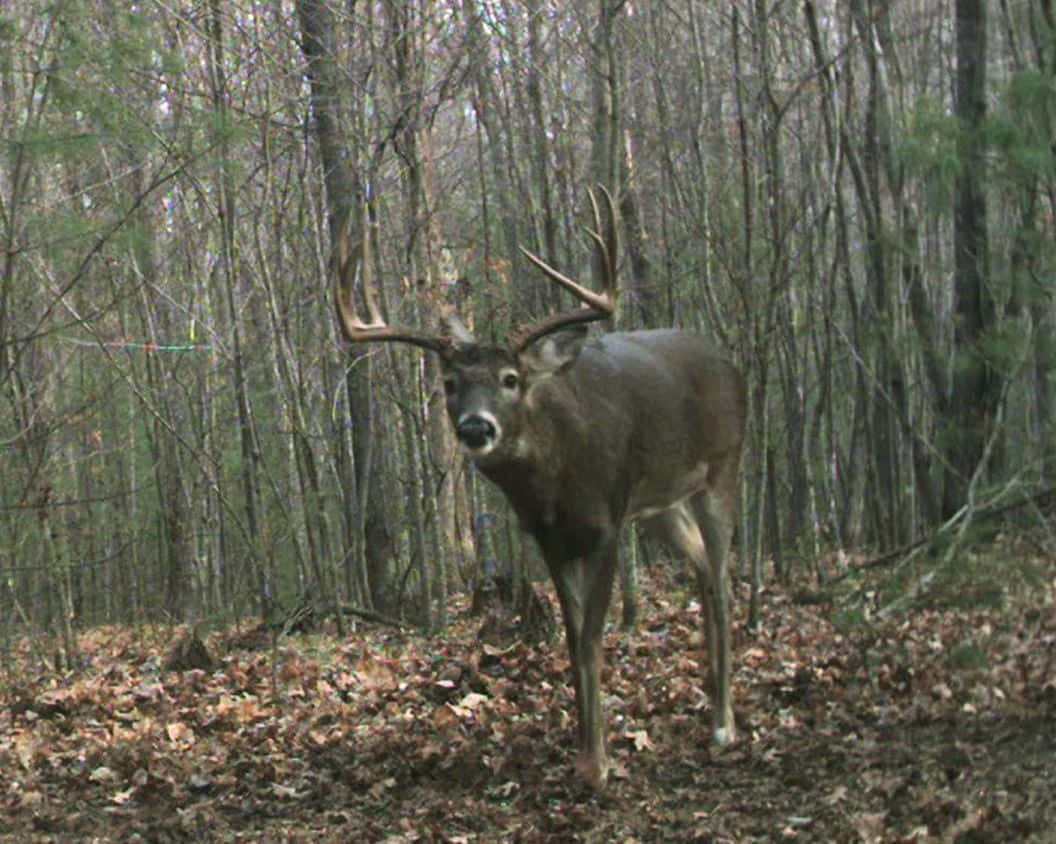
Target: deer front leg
(566, 581)
(584, 588)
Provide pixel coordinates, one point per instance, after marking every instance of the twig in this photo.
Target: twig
(370, 615)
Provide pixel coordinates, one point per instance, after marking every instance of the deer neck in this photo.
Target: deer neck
(547, 443)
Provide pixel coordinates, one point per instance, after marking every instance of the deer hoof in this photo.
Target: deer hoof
(724, 736)
(593, 770)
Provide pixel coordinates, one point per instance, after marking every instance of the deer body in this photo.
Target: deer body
(583, 437)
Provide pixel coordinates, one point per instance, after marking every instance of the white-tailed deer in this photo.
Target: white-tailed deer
(584, 436)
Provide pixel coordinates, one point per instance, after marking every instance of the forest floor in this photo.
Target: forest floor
(934, 723)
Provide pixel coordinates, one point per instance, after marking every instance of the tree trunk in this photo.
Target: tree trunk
(973, 397)
(346, 205)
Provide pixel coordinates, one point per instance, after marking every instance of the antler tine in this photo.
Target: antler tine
(608, 246)
(596, 305)
(599, 301)
(374, 329)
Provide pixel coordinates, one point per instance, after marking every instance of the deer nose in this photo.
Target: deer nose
(476, 431)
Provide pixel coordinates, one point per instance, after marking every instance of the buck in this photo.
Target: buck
(585, 436)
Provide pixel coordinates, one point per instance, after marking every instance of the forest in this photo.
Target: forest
(853, 201)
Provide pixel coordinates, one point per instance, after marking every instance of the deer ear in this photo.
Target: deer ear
(459, 333)
(554, 352)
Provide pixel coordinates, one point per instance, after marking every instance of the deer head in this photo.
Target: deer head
(487, 385)
(585, 436)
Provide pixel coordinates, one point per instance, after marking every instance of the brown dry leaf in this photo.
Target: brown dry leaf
(178, 732)
(123, 797)
(472, 701)
(444, 716)
(839, 793)
(25, 749)
(869, 826)
(641, 741)
(103, 774)
(380, 787)
(372, 675)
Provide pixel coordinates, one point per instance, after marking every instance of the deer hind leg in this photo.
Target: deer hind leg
(717, 526)
(705, 542)
(584, 588)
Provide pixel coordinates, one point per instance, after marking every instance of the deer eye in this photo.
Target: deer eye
(510, 380)
(450, 385)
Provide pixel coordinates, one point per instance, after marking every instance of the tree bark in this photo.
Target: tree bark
(346, 206)
(973, 397)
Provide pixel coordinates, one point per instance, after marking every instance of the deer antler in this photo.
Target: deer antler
(374, 328)
(597, 305)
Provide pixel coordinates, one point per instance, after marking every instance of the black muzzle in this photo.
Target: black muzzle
(475, 431)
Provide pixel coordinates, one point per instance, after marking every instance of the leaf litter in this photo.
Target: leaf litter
(939, 725)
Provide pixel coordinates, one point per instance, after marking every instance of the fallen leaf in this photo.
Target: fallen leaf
(869, 825)
(121, 798)
(839, 793)
(103, 774)
(472, 701)
(641, 740)
(380, 787)
(177, 731)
